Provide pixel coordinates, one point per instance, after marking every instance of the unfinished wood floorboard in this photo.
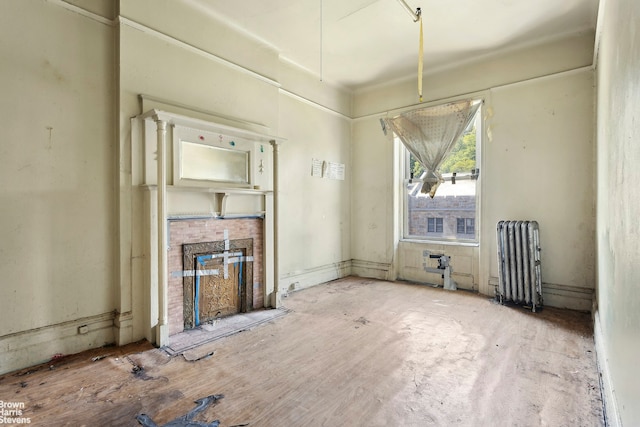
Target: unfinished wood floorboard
(353, 352)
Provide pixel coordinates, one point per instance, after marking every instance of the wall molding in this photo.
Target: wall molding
(123, 328)
(220, 60)
(314, 276)
(571, 297)
(371, 269)
(602, 8)
(26, 348)
(611, 413)
(193, 49)
(484, 93)
(83, 12)
(560, 296)
(314, 104)
(121, 20)
(491, 56)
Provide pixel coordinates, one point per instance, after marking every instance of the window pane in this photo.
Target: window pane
(471, 225)
(451, 213)
(463, 155)
(415, 168)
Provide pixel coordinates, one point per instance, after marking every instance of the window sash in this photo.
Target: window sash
(470, 225)
(435, 225)
(409, 225)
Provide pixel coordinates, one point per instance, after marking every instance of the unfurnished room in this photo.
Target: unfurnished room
(320, 212)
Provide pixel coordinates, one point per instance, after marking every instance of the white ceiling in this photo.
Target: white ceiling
(357, 43)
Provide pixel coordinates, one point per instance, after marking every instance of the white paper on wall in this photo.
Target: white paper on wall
(316, 168)
(335, 171)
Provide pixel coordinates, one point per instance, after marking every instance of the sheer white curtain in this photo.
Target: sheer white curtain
(430, 134)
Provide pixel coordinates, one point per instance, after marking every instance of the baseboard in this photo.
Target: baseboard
(559, 296)
(612, 416)
(562, 296)
(370, 269)
(123, 331)
(27, 348)
(304, 279)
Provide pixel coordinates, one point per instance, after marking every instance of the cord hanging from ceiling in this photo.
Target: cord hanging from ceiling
(320, 40)
(417, 16)
(420, 55)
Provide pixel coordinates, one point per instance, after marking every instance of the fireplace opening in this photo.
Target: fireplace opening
(221, 280)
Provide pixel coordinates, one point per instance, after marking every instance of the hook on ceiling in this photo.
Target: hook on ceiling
(415, 15)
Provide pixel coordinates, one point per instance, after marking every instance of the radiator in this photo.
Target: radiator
(519, 279)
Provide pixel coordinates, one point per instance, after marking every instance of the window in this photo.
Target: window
(434, 225)
(470, 226)
(465, 226)
(451, 214)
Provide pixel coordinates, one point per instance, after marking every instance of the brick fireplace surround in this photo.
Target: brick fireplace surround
(189, 231)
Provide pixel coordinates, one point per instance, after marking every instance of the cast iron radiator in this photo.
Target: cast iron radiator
(519, 279)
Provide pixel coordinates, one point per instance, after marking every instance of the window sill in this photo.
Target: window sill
(440, 242)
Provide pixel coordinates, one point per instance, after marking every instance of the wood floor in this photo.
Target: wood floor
(353, 352)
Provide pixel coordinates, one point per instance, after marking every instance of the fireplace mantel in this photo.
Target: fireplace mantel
(220, 196)
(166, 192)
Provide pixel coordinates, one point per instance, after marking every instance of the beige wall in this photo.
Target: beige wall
(57, 211)
(497, 70)
(538, 163)
(618, 230)
(314, 227)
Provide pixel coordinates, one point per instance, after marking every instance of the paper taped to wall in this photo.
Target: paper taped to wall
(335, 171)
(316, 168)
(325, 169)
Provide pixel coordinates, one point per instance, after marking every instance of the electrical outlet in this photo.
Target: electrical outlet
(83, 329)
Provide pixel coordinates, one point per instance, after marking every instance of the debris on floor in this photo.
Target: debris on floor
(138, 370)
(102, 356)
(362, 320)
(187, 419)
(189, 358)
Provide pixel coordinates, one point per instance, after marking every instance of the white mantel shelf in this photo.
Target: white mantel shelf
(221, 195)
(197, 189)
(226, 190)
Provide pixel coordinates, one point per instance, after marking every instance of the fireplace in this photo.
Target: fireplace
(198, 182)
(215, 280)
(215, 270)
